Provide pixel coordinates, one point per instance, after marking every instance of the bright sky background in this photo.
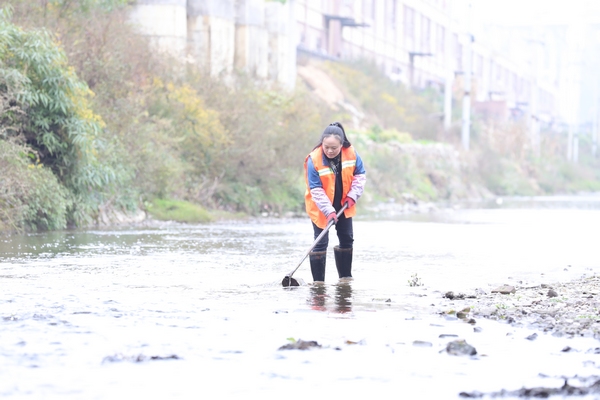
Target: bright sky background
(542, 11)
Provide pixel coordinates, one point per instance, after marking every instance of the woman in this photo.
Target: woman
(335, 175)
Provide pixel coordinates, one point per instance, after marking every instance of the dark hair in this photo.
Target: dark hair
(335, 129)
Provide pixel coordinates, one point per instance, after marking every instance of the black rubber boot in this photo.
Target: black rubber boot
(343, 261)
(317, 265)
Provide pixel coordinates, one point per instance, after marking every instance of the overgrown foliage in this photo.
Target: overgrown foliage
(30, 195)
(166, 133)
(504, 160)
(180, 211)
(271, 132)
(92, 118)
(46, 106)
(390, 105)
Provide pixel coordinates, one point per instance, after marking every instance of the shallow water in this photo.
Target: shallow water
(78, 309)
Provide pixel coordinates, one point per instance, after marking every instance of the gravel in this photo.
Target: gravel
(570, 309)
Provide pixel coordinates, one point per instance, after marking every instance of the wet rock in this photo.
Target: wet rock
(382, 300)
(460, 296)
(447, 335)
(422, 343)
(594, 351)
(533, 336)
(542, 392)
(473, 395)
(460, 348)
(138, 358)
(464, 313)
(552, 293)
(505, 289)
(301, 345)
(360, 342)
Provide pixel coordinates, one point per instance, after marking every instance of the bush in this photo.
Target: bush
(270, 132)
(50, 110)
(180, 211)
(390, 105)
(31, 198)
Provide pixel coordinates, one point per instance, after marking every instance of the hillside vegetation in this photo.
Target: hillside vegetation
(94, 123)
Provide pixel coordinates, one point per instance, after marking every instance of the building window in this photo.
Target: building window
(369, 9)
(391, 13)
(425, 34)
(458, 53)
(479, 65)
(440, 37)
(409, 23)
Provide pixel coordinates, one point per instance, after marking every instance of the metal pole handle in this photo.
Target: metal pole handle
(317, 240)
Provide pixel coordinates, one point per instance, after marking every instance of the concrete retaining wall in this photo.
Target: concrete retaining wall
(221, 36)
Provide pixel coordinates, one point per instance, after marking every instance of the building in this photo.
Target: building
(219, 36)
(522, 72)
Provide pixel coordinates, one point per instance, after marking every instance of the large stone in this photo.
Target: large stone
(505, 289)
(460, 348)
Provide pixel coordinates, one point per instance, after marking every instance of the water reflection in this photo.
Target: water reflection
(342, 299)
(318, 296)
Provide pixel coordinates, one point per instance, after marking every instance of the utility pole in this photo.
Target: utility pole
(448, 82)
(576, 148)
(534, 122)
(595, 118)
(570, 143)
(293, 42)
(466, 111)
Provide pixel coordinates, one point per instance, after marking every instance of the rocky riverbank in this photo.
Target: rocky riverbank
(563, 309)
(567, 309)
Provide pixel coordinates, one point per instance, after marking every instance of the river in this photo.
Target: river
(180, 311)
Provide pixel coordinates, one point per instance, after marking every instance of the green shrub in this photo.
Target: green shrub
(180, 211)
(50, 109)
(390, 105)
(388, 135)
(31, 197)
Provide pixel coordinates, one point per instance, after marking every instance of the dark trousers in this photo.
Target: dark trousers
(344, 231)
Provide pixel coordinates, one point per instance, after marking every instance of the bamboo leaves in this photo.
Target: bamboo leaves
(56, 117)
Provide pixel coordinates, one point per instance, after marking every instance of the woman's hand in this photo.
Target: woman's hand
(332, 216)
(350, 202)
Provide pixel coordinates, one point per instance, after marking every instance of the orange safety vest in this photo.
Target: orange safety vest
(328, 181)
